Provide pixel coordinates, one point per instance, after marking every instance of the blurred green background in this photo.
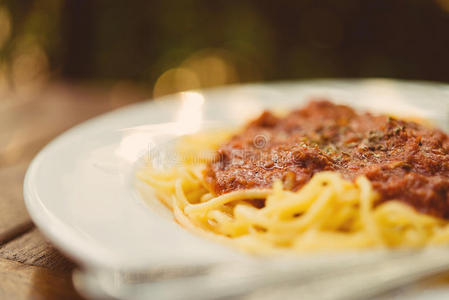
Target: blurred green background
(167, 46)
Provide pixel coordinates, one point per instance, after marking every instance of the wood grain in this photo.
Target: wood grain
(29, 122)
(33, 249)
(13, 216)
(20, 281)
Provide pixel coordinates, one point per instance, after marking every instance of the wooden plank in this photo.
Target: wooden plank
(52, 110)
(13, 216)
(26, 125)
(33, 249)
(36, 121)
(20, 281)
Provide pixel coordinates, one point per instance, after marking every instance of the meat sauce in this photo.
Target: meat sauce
(404, 160)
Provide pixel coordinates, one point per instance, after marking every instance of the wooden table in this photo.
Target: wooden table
(30, 268)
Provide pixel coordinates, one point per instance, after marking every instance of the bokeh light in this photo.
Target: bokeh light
(202, 69)
(29, 65)
(176, 80)
(444, 4)
(212, 67)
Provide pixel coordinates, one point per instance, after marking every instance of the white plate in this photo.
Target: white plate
(81, 189)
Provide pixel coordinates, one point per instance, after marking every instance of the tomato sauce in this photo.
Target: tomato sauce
(404, 160)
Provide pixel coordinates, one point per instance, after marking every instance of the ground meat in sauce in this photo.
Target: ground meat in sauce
(403, 160)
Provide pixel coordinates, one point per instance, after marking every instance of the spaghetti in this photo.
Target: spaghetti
(328, 212)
